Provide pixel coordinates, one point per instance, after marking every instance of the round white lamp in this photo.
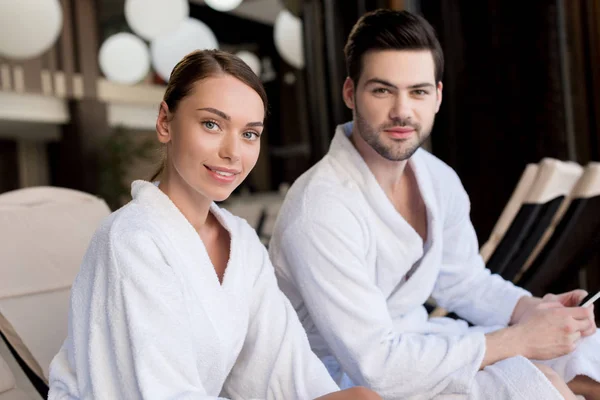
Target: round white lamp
(28, 28)
(288, 38)
(124, 58)
(251, 59)
(153, 18)
(223, 5)
(169, 49)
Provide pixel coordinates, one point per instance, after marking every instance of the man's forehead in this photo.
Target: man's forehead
(400, 67)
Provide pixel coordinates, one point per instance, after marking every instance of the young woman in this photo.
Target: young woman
(177, 298)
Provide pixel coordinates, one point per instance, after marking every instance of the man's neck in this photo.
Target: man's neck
(388, 173)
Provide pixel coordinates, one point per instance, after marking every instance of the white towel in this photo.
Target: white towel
(585, 360)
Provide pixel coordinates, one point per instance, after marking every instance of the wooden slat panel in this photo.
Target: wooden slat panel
(81, 145)
(33, 163)
(2, 77)
(32, 75)
(9, 178)
(593, 19)
(51, 64)
(67, 47)
(6, 74)
(87, 45)
(18, 77)
(396, 5)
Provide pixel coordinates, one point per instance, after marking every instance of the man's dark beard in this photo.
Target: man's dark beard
(389, 153)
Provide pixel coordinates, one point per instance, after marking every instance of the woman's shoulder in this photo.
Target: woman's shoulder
(132, 217)
(126, 226)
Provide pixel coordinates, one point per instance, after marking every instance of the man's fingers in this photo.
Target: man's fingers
(550, 297)
(574, 338)
(582, 325)
(579, 313)
(590, 331)
(550, 304)
(572, 298)
(578, 295)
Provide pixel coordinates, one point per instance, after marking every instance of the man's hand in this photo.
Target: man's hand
(544, 331)
(551, 330)
(569, 299)
(572, 299)
(523, 307)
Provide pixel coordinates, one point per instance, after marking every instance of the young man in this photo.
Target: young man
(378, 226)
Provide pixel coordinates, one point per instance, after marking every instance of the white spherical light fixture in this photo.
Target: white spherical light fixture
(124, 58)
(28, 28)
(288, 38)
(251, 59)
(169, 49)
(153, 18)
(223, 5)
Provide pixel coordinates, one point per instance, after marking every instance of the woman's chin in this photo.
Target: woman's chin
(220, 195)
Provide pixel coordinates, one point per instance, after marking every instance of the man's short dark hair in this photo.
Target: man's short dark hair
(391, 30)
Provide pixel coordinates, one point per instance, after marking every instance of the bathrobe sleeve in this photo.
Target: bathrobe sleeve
(132, 325)
(276, 361)
(464, 285)
(325, 254)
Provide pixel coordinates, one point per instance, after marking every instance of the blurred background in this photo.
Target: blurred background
(81, 81)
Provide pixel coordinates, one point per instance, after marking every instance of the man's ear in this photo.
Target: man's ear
(348, 92)
(163, 126)
(438, 92)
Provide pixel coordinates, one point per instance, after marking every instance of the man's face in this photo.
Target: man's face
(395, 101)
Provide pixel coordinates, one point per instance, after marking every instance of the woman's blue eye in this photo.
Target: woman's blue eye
(250, 135)
(210, 125)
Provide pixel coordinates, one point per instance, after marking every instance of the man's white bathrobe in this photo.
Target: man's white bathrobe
(149, 318)
(358, 275)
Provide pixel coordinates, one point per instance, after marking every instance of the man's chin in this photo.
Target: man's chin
(400, 153)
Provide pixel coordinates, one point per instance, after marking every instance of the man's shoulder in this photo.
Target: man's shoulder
(443, 176)
(322, 192)
(433, 163)
(321, 182)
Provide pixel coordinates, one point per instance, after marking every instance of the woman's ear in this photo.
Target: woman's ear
(163, 126)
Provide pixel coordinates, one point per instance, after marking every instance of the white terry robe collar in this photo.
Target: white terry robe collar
(343, 151)
(184, 237)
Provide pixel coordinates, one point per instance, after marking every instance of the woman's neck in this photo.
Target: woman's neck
(194, 206)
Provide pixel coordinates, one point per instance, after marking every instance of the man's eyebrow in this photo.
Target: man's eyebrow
(422, 86)
(381, 82)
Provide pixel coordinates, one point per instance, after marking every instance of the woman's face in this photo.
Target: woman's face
(213, 137)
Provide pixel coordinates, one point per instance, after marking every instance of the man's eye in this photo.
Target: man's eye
(381, 91)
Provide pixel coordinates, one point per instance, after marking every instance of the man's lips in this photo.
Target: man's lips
(400, 130)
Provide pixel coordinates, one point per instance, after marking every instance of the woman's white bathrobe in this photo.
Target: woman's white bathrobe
(342, 254)
(150, 320)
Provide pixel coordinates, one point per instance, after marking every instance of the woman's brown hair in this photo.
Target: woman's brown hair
(202, 64)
